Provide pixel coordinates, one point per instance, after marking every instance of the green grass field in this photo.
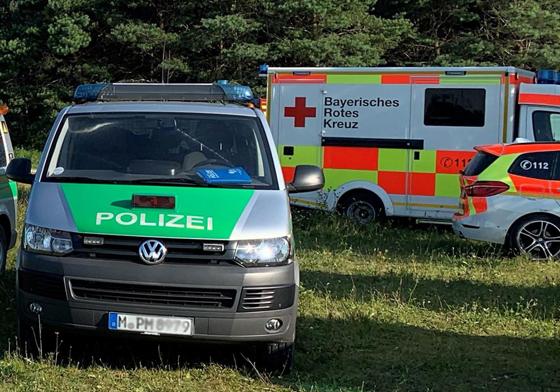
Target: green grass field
(390, 307)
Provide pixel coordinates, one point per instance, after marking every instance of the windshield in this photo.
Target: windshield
(188, 149)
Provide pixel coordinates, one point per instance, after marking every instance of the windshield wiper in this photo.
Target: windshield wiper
(80, 179)
(168, 180)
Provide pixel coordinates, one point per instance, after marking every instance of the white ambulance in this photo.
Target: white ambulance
(392, 141)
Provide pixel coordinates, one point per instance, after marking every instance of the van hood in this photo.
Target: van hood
(199, 213)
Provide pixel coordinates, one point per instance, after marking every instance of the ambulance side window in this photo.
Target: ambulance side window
(455, 107)
(546, 126)
(538, 165)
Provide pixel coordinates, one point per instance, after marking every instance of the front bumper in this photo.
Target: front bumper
(65, 310)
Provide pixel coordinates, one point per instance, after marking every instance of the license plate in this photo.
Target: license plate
(151, 324)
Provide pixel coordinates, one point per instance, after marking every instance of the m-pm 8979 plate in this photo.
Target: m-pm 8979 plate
(151, 324)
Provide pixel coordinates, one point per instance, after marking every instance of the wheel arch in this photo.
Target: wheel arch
(525, 216)
(354, 186)
(7, 226)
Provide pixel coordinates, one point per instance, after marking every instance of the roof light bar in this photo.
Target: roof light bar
(179, 92)
(548, 76)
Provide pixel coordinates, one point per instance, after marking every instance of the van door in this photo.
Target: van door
(295, 118)
(450, 115)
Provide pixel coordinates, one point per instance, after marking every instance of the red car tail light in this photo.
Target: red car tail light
(486, 188)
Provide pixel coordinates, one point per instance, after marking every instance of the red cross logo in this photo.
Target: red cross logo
(300, 112)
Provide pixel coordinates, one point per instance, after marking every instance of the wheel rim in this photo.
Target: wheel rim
(539, 239)
(361, 211)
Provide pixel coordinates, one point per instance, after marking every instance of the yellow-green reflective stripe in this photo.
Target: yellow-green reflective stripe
(447, 185)
(392, 159)
(498, 171)
(426, 162)
(303, 155)
(494, 79)
(334, 178)
(353, 79)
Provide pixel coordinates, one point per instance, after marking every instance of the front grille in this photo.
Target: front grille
(43, 284)
(151, 294)
(126, 248)
(266, 298)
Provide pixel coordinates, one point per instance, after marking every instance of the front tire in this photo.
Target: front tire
(275, 358)
(537, 236)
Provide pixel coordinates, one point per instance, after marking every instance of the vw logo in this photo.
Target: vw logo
(152, 252)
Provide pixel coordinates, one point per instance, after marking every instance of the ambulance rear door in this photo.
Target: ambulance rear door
(295, 115)
(451, 114)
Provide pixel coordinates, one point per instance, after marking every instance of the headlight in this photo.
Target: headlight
(39, 239)
(260, 253)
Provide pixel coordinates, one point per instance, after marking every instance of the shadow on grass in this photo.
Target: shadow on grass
(439, 295)
(369, 355)
(396, 238)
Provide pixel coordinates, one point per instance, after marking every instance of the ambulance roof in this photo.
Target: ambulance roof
(448, 70)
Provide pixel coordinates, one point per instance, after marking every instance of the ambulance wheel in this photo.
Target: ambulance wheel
(363, 207)
(275, 358)
(537, 236)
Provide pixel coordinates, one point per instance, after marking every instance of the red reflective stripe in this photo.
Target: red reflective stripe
(356, 158)
(306, 79)
(539, 99)
(392, 182)
(480, 204)
(516, 79)
(422, 184)
(395, 79)
(288, 173)
(432, 79)
(451, 162)
(534, 186)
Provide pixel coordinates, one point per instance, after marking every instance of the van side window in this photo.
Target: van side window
(456, 107)
(538, 165)
(546, 126)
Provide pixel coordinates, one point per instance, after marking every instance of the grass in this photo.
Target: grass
(389, 307)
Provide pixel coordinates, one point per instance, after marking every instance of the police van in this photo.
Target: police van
(8, 193)
(392, 141)
(160, 210)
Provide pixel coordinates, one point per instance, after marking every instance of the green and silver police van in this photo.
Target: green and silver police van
(160, 211)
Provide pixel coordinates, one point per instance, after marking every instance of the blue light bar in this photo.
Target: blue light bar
(236, 92)
(263, 69)
(221, 91)
(88, 92)
(548, 76)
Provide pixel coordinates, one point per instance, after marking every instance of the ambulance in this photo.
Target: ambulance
(392, 141)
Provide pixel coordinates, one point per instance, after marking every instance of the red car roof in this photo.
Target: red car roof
(516, 148)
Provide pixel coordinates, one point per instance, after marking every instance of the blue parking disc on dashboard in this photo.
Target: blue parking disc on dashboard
(225, 175)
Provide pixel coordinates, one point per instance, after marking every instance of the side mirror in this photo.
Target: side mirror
(307, 178)
(19, 170)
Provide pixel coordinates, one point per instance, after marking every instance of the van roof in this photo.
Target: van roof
(163, 107)
(516, 148)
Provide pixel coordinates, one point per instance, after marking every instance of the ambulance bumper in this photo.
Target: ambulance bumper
(52, 282)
